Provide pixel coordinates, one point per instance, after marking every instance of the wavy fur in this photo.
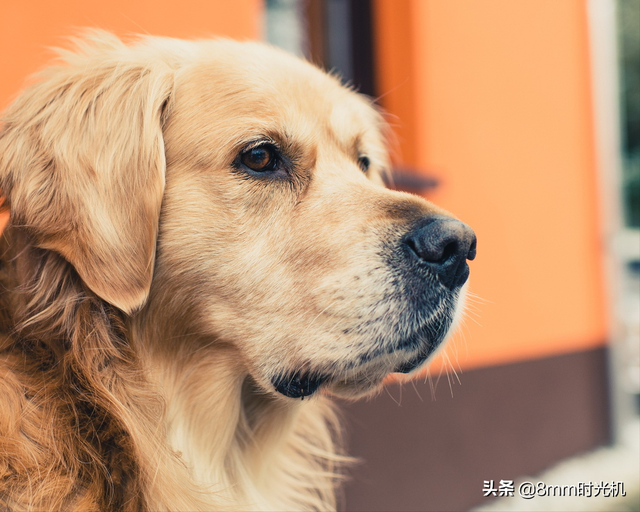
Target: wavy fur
(81, 425)
(156, 292)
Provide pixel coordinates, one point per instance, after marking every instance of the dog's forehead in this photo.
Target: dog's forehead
(266, 89)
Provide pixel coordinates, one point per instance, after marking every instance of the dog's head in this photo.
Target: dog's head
(258, 179)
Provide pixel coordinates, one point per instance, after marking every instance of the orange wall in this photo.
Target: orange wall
(501, 107)
(396, 74)
(29, 27)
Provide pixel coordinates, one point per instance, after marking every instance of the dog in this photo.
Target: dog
(201, 253)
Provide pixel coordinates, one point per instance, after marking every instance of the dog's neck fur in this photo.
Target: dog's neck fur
(240, 442)
(174, 430)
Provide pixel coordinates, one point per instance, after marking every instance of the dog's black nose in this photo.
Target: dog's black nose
(444, 245)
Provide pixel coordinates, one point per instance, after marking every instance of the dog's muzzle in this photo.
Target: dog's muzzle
(428, 265)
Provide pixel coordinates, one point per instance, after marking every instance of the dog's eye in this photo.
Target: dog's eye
(260, 158)
(364, 163)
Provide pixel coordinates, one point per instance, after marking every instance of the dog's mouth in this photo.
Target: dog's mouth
(298, 385)
(301, 385)
(359, 376)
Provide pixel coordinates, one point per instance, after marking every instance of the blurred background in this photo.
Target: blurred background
(522, 118)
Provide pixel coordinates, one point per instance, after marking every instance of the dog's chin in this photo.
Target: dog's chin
(299, 387)
(356, 388)
(363, 382)
(365, 375)
(362, 378)
(370, 380)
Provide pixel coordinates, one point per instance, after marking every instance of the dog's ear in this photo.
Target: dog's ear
(82, 165)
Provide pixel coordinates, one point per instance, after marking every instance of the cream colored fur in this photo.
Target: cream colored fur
(154, 290)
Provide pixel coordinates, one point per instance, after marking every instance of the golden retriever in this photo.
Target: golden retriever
(200, 253)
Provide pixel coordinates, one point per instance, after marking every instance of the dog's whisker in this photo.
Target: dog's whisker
(415, 388)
